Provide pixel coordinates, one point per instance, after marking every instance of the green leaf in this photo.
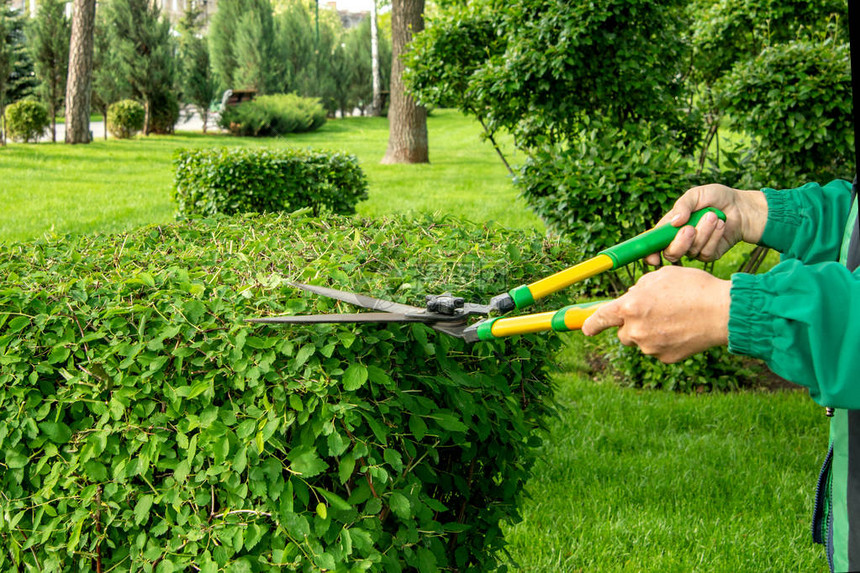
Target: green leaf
(400, 505)
(335, 500)
(57, 432)
(180, 474)
(354, 377)
(304, 353)
(346, 467)
(141, 509)
(306, 462)
(393, 458)
(16, 460)
(417, 427)
(336, 444)
(450, 422)
(18, 324)
(426, 561)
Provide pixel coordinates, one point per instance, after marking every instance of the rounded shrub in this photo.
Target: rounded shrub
(27, 120)
(125, 118)
(145, 425)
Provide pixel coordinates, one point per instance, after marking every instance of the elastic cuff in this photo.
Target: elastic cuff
(783, 218)
(750, 327)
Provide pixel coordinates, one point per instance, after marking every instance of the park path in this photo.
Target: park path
(185, 123)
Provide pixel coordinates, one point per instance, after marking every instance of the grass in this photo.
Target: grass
(633, 480)
(119, 185)
(628, 480)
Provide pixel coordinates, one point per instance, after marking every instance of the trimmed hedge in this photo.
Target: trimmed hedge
(230, 181)
(125, 118)
(145, 426)
(273, 115)
(27, 120)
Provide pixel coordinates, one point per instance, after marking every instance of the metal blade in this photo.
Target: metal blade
(337, 318)
(361, 300)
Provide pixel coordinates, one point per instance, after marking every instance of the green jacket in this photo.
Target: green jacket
(803, 319)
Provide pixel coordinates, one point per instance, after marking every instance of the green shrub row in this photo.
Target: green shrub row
(145, 426)
(125, 118)
(230, 181)
(27, 120)
(273, 115)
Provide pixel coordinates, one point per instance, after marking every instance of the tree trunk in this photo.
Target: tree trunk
(79, 84)
(407, 135)
(374, 62)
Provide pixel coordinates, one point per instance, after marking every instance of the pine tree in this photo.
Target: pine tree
(21, 78)
(198, 81)
(109, 85)
(145, 54)
(50, 33)
(243, 46)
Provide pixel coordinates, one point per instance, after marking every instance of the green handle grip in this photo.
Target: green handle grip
(652, 241)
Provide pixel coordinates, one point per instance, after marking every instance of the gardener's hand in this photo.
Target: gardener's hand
(671, 313)
(746, 216)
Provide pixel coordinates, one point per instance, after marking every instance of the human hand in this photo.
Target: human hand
(746, 216)
(670, 313)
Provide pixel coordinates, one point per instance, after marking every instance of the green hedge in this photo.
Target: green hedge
(273, 115)
(145, 426)
(230, 181)
(125, 118)
(27, 120)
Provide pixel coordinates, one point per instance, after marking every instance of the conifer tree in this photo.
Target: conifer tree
(50, 33)
(145, 55)
(198, 81)
(109, 85)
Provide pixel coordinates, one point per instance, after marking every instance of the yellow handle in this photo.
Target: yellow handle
(566, 319)
(525, 295)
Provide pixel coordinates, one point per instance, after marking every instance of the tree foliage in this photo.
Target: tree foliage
(197, 79)
(109, 82)
(145, 55)
(614, 105)
(50, 34)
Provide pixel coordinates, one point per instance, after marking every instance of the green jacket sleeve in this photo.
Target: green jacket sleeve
(803, 317)
(807, 223)
(804, 322)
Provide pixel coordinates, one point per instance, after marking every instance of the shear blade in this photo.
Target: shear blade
(361, 300)
(337, 318)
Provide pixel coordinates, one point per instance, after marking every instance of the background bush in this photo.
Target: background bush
(165, 113)
(607, 187)
(274, 115)
(27, 120)
(125, 118)
(145, 425)
(229, 181)
(794, 101)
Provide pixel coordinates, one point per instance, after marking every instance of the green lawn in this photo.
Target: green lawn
(117, 185)
(628, 480)
(637, 480)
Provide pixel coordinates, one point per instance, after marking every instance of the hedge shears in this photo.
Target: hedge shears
(451, 314)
